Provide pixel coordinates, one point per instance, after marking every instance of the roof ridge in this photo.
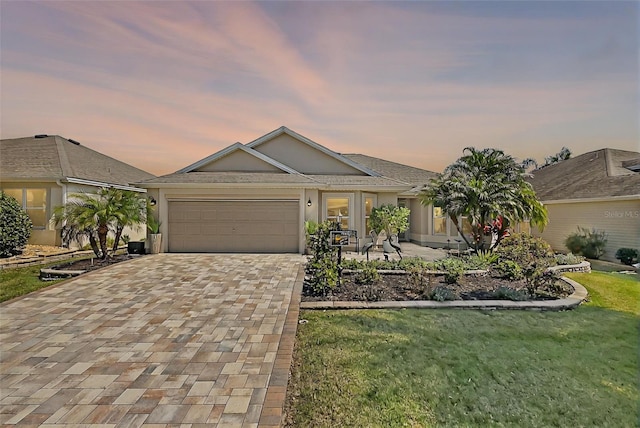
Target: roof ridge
(65, 166)
(608, 162)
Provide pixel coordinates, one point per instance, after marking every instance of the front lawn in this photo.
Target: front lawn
(472, 368)
(16, 282)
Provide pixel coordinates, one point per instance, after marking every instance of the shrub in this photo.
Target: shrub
(508, 293)
(589, 243)
(481, 260)
(627, 255)
(404, 264)
(453, 268)
(367, 275)
(322, 267)
(549, 283)
(420, 280)
(569, 259)
(441, 294)
(510, 270)
(532, 255)
(15, 226)
(524, 249)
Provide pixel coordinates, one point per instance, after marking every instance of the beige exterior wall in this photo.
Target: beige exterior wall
(303, 158)
(419, 222)
(57, 195)
(619, 219)
(239, 161)
(311, 212)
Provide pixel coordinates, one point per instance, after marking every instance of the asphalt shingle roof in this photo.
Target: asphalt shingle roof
(405, 173)
(56, 158)
(597, 174)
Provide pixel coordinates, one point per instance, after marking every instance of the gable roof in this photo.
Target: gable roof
(232, 149)
(597, 174)
(284, 130)
(51, 157)
(373, 173)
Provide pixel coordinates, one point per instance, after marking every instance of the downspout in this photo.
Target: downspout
(64, 202)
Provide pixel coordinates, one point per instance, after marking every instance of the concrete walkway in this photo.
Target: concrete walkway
(163, 340)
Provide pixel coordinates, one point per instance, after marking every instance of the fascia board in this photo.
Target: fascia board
(210, 158)
(102, 184)
(227, 186)
(583, 200)
(331, 153)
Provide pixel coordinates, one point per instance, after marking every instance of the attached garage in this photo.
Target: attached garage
(234, 226)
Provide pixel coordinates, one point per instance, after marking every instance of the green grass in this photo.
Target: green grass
(20, 281)
(616, 291)
(386, 368)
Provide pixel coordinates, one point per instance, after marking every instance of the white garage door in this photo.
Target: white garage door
(234, 226)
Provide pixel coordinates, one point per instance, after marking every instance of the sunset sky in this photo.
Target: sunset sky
(161, 85)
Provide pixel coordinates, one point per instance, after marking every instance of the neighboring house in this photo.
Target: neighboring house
(42, 171)
(255, 197)
(599, 189)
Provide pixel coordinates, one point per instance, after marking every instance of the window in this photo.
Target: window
(525, 227)
(34, 202)
(338, 205)
(439, 221)
(369, 205)
(465, 225)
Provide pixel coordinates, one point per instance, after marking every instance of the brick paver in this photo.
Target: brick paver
(164, 340)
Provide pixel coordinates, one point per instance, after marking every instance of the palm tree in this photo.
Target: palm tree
(92, 215)
(489, 188)
(130, 211)
(77, 224)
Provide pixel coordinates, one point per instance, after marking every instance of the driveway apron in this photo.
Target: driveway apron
(163, 340)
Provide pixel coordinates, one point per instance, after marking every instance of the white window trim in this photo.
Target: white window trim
(351, 198)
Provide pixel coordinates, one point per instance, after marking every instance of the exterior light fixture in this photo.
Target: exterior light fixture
(309, 202)
(152, 201)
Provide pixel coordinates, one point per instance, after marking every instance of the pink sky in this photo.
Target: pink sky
(161, 85)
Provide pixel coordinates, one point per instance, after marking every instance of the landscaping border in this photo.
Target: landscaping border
(579, 295)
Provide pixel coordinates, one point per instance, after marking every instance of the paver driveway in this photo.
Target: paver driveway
(169, 339)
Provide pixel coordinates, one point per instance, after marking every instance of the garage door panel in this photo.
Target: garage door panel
(234, 226)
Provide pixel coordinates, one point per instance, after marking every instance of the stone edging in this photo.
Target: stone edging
(578, 296)
(584, 266)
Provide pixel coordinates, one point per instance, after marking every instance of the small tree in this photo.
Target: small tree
(393, 220)
(484, 186)
(15, 226)
(93, 215)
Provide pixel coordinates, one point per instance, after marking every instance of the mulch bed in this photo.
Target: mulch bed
(92, 264)
(399, 287)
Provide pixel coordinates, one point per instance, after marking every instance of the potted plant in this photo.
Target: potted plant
(155, 237)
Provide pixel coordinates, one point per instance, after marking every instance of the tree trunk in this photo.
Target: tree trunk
(103, 230)
(118, 236)
(454, 220)
(94, 244)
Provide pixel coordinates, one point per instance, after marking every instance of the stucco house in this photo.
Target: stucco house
(255, 197)
(42, 171)
(598, 189)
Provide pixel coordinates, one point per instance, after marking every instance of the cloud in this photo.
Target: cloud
(163, 84)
